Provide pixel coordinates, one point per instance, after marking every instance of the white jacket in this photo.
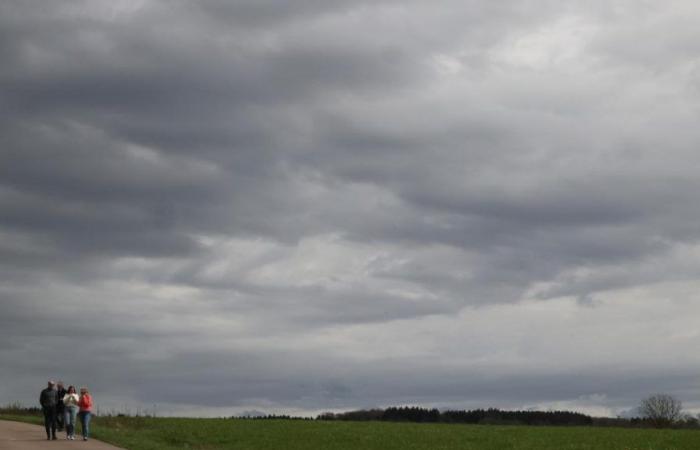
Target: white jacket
(70, 399)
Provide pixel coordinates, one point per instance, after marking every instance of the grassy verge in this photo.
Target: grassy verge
(140, 433)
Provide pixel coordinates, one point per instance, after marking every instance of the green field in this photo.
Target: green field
(210, 434)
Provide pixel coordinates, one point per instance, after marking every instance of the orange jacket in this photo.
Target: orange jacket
(85, 402)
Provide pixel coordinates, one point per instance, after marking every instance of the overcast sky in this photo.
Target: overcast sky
(291, 207)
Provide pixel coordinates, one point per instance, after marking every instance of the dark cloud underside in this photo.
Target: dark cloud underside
(336, 204)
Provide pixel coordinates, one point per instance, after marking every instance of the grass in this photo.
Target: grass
(142, 433)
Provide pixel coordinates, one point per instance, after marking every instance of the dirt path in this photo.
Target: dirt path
(23, 436)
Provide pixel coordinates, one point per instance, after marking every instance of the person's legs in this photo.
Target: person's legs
(67, 422)
(59, 418)
(73, 414)
(53, 430)
(88, 417)
(50, 422)
(85, 423)
(47, 422)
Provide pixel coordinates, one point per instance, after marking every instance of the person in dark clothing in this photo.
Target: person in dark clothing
(60, 407)
(48, 400)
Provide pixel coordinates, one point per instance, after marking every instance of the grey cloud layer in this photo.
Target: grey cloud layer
(225, 172)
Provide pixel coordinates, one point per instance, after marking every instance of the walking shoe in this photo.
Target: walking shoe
(85, 439)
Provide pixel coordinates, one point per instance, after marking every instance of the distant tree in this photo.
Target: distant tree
(688, 421)
(661, 410)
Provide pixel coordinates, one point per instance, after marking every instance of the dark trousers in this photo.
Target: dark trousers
(60, 410)
(50, 420)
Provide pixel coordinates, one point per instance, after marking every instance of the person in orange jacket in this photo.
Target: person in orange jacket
(85, 404)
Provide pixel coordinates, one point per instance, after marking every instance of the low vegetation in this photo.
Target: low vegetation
(148, 433)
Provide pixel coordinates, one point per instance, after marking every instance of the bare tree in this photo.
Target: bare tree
(661, 410)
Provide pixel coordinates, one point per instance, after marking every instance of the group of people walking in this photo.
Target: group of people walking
(61, 408)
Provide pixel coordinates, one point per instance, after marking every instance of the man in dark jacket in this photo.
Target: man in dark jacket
(48, 400)
(60, 407)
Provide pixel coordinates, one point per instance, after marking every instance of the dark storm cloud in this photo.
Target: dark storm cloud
(267, 199)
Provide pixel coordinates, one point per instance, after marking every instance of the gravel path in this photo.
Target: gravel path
(23, 436)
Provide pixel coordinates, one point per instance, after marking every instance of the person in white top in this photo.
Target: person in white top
(70, 400)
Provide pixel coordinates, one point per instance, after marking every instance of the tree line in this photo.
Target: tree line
(655, 411)
(475, 416)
